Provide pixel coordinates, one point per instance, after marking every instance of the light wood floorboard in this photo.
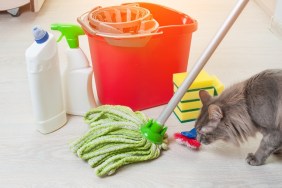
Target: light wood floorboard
(30, 159)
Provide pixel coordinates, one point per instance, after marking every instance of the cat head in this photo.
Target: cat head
(209, 125)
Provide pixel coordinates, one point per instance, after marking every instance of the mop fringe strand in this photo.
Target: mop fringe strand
(114, 139)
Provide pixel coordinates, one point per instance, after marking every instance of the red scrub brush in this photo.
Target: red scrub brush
(188, 138)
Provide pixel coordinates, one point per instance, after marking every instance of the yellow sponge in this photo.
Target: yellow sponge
(219, 87)
(186, 116)
(192, 95)
(202, 80)
(189, 107)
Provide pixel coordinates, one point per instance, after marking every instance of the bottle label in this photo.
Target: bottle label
(35, 67)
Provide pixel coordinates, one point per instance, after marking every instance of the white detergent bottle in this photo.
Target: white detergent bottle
(45, 82)
(78, 75)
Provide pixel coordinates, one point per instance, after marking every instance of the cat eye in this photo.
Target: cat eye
(204, 129)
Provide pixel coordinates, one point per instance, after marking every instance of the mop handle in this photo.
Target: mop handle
(199, 65)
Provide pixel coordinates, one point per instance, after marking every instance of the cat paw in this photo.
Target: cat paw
(252, 160)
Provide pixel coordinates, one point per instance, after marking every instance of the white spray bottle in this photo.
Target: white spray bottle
(45, 82)
(78, 75)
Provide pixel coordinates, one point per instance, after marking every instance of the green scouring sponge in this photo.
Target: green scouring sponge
(114, 139)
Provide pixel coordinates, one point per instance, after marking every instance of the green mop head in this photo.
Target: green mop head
(114, 139)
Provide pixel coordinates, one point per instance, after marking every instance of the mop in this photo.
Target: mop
(119, 136)
(114, 139)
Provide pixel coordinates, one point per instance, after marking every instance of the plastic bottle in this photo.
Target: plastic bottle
(78, 75)
(45, 82)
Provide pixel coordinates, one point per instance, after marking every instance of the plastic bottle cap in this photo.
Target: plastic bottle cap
(40, 35)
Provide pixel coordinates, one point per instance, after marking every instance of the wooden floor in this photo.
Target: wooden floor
(30, 159)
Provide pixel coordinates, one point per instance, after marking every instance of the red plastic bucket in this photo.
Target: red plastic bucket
(140, 76)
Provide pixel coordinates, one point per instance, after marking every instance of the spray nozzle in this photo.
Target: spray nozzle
(70, 31)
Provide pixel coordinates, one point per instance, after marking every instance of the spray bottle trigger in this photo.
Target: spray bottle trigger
(60, 38)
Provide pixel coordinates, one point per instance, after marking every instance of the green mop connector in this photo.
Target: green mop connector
(153, 131)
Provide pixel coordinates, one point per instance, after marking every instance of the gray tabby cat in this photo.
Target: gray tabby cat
(251, 106)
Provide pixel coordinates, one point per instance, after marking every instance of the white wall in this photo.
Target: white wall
(267, 5)
(276, 20)
(274, 9)
(278, 11)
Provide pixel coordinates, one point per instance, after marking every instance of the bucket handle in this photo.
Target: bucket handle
(82, 21)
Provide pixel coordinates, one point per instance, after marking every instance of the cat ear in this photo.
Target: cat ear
(215, 112)
(204, 96)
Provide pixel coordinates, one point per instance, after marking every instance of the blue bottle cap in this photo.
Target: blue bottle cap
(40, 35)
